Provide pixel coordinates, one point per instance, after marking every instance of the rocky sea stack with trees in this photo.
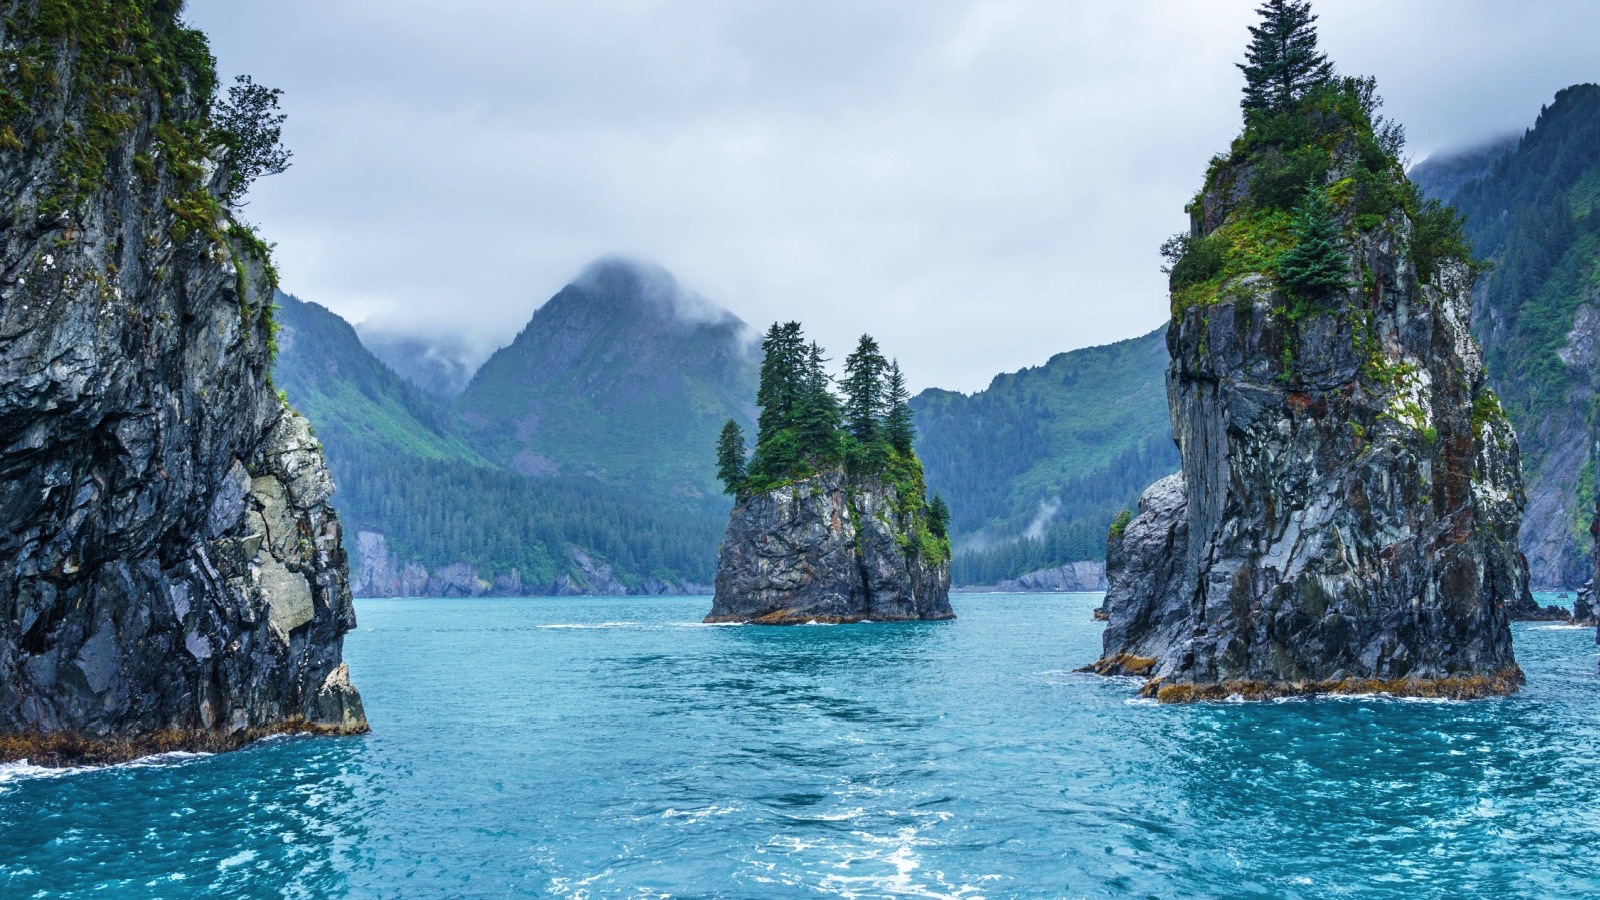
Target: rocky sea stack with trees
(831, 521)
(171, 574)
(1347, 515)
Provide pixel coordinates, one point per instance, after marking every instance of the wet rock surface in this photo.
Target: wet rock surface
(171, 573)
(1347, 515)
(826, 549)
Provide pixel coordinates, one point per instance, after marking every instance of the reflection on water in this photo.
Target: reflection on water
(583, 747)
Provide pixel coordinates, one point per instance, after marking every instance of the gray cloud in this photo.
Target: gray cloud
(979, 185)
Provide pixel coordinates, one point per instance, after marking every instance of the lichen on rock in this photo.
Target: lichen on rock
(171, 574)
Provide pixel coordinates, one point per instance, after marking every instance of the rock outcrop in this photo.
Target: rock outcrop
(1084, 575)
(1347, 515)
(1583, 608)
(171, 574)
(379, 572)
(830, 549)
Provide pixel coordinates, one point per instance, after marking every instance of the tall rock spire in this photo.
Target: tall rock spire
(1346, 519)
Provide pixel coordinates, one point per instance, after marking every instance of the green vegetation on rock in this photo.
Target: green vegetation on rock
(1312, 128)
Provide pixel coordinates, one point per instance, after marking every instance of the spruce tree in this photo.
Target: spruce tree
(1316, 265)
(730, 457)
(939, 517)
(782, 379)
(818, 415)
(863, 388)
(897, 423)
(1282, 61)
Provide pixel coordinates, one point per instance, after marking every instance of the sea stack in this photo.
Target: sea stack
(1346, 517)
(171, 574)
(831, 522)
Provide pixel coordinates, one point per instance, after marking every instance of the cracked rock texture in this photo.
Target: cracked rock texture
(826, 549)
(1347, 514)
(171, 574)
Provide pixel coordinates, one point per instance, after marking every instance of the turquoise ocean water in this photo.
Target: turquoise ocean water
(615, 747)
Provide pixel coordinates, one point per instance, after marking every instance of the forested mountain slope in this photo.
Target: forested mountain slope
(1535, 215)
(1036, 466)
(429, 514)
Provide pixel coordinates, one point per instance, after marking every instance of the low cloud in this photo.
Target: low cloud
(978, 184)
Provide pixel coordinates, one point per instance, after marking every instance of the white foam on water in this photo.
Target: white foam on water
(569, 887)
(899, 853)
(695, 816)
(23, 770)
(238, 859)
(1561, 628)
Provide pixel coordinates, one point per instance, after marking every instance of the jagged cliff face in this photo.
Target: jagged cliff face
(1530, 208)
(828, 548)
(1347, 514)
(171, 573)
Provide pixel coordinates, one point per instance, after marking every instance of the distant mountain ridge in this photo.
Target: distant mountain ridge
(434, 365)
(622, 376)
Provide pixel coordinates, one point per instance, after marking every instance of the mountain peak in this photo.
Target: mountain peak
(624, 283)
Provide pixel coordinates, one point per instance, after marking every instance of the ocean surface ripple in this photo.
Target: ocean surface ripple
(584, 747)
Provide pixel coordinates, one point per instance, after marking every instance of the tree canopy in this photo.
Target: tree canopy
(250, 126)
(805, 428)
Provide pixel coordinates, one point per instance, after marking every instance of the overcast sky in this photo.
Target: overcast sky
(978, 184)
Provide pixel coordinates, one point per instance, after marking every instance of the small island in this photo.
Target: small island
(831, 521)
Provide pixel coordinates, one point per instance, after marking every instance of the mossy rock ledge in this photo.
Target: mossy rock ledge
(828, 549)
(1347, 513)
(171, 571)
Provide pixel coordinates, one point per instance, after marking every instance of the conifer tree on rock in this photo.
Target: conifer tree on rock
(897, 425)
(1282, 61)
(1316, 265)
(863, 385)
(818, 414)
(731, 456)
